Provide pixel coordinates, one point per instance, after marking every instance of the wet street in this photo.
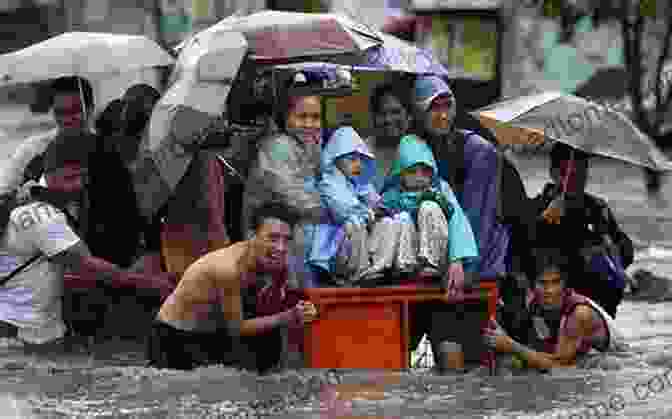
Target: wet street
(111, 382)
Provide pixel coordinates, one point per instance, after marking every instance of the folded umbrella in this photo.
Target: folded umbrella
(84, 54)
(539, 119)
(192, 105)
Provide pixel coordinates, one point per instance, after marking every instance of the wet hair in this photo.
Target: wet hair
(109, 120)
(561, 152)
(276, 210)
(551, 260)
(401, 91)
(136, 117)
(142, 90)
(71, 86)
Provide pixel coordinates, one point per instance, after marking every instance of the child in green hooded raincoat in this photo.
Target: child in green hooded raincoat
(429, 229)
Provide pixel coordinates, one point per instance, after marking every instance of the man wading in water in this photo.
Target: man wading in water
(233, 295)
(563, 325)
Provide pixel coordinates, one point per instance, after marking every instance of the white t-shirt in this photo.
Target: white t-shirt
(31, 300)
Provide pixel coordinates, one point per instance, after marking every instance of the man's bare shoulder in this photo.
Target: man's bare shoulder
(224, 262)
(583, 314)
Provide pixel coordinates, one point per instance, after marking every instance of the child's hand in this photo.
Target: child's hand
(349, 230)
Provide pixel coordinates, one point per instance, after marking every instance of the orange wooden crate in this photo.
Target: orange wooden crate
(369, 327)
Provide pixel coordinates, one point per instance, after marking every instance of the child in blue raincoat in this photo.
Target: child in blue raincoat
(432, 231)
(346, 173)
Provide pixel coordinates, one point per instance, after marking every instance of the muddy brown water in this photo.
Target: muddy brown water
(112, 383)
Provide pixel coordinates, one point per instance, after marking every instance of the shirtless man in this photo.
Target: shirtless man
(565, 325)
(208, 314)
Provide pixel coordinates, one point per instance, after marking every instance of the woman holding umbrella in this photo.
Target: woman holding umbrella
(286, 167)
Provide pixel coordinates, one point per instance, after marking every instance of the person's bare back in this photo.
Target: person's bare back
(208, 291)
(202, 321)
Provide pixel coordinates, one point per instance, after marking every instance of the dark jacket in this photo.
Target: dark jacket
(580, 228)
(515, 208)
(114, 221)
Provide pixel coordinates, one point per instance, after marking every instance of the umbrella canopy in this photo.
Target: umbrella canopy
(84, 54)
(196, 99)
(398, 55)
(574, 121)
(276, 35)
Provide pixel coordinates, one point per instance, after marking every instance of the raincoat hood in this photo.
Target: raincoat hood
(344, 141)
(347, 201)
(412, 151)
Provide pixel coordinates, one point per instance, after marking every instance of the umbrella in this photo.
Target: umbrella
(398, 55)
(400, 24)
(393, 55)
(194, 103)
(275, 35)
(83, 54)
(583, 125)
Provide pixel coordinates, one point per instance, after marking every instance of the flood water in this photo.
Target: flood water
(112, 383)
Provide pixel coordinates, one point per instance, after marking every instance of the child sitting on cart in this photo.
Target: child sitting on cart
(427, 232)
(372, 236)
(339, 248)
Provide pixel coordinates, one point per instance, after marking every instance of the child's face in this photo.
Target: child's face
(417, 178)
(350, 165)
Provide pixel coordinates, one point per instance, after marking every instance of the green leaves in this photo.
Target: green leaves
(647, 8)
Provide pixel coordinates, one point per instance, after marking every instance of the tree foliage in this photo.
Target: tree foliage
(646, 29)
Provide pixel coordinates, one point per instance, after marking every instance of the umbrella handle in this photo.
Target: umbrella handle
(570, 169)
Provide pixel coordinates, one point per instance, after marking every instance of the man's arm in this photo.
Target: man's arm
(502, 343)
(579, 328)
(78, 258)
(228, 285)
(261, 325)
(48, 230)
(565, 356)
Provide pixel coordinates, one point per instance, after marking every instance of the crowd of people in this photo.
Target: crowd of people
(428, 199)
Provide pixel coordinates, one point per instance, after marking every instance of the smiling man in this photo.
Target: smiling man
(236, 292)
